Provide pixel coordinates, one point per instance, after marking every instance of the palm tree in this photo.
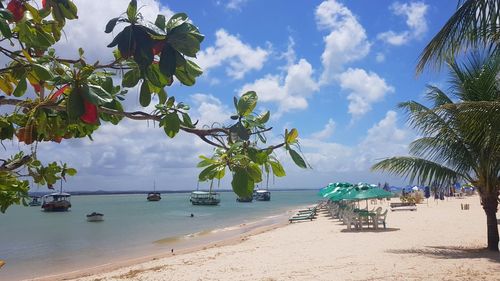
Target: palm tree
(460, 135)
(475, 24)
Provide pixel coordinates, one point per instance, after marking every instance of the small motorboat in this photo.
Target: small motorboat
(35, 201)
(262, 195)
(94, 216)
(154, 196)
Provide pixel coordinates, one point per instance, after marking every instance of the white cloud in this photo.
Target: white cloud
(332, 161)
(235, 4)
(326, 132)
(415, 20)
(88, 31)
(210, 109)
(240, 57)
(290, 92)
(364, 90)
(380, 57)
(346, 42)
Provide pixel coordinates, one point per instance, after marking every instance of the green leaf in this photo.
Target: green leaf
(184, 76)
(263, 118)
(131, 78)
(96, 94)
(71, 171)
(291, 137)
(208, 173)
(184, 43)
(193, 69)
(42, 72)
(205, 162)
(172, 124)
(155, 77)
(162, 96)
(247, 103)
(186, 120)
(21, 87)
(145, 94)
(242, 184)
(254, 172)
(168, 60)
(299, 161)
(160, 21)
(5, 29)
(143, 53)
(176, 20)
(277, 169)
(6, 14)
(132, 10)
(111, 25)
(74, 106)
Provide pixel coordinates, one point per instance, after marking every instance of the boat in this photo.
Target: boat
(35, 201)
(94, 216)
(154, 196)
(204, 198)
(244, 199)
(262, 195)
(56, 202)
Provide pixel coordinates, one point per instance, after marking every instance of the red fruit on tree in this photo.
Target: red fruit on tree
(157, 47)
(90, 116)
(16, 7)
(37, 87)
(59, 92)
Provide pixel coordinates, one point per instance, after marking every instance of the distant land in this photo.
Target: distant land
(121, 192)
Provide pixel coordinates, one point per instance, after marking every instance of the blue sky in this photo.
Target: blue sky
(335, 70)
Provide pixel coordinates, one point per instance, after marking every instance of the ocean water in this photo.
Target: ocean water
(35, 243)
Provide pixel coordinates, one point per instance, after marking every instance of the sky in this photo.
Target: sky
(335, 70)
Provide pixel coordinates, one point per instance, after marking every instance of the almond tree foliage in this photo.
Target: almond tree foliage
(50, 98)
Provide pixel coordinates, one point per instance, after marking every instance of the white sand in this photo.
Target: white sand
(436, 242)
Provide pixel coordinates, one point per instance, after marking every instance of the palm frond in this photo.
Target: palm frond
(441, 149)
(426, 120)
(476, 79)
(474, 25)
(420, 170)
(437, 96)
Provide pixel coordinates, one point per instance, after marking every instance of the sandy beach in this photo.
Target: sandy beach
(439, 241)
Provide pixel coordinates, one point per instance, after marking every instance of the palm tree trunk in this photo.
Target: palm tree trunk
(490, 205)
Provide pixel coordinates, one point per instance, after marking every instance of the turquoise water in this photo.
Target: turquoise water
(36, 243)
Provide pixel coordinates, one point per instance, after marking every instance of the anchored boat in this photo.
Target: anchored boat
(154, 196)
(94, 216)
(262, 195)
(35, 201)
(204, 198)
(56, 202)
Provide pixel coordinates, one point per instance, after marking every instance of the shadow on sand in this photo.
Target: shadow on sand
(451, 252)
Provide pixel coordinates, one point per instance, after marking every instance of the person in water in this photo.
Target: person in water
(192, 215)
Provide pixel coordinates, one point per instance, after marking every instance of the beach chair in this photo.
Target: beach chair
(302, 217)
(380, 219)
(351, 218)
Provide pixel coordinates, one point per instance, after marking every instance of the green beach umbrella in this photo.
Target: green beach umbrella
(333, 187)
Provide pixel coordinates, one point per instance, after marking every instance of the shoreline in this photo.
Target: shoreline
(183, 244)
